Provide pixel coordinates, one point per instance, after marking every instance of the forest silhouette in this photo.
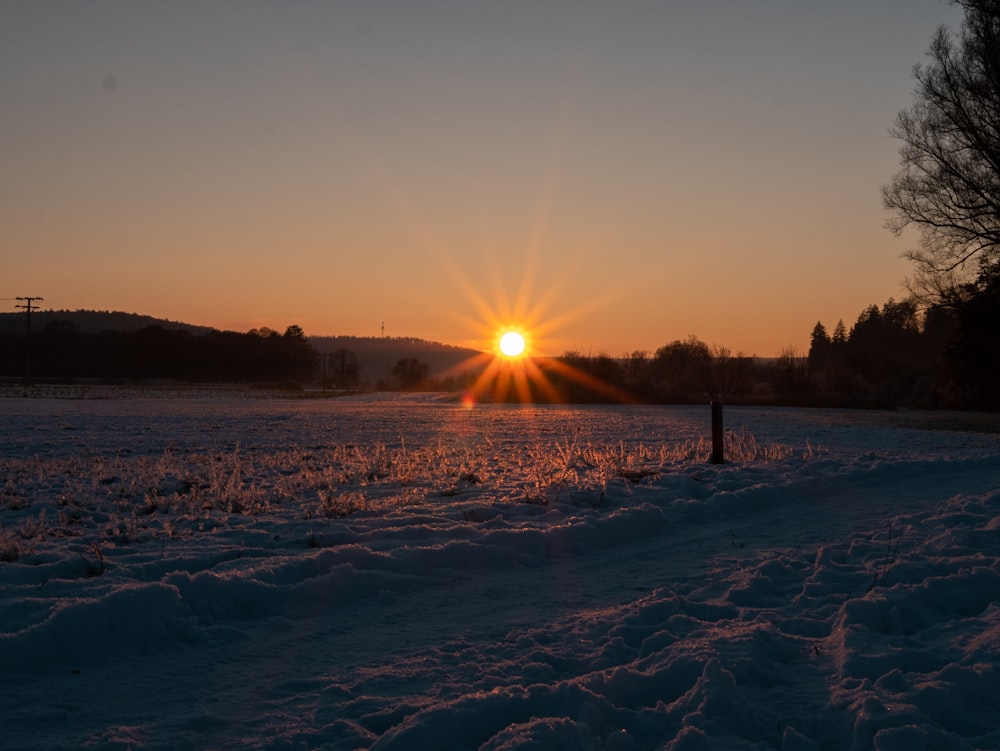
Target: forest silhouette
(892, 356)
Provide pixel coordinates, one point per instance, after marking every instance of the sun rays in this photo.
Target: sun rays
(516, 361)
(516, 329)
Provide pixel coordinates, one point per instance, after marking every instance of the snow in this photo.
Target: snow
(186, 570)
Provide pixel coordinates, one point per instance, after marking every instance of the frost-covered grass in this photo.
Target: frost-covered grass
(123, 498)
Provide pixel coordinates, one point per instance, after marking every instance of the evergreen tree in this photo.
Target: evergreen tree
(819, 346)
(839, 334)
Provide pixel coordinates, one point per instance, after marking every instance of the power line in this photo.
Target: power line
(26, 307)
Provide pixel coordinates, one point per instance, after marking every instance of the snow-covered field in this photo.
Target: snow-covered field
(203, 571)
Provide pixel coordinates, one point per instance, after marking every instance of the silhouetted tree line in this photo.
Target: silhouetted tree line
(948, 357)
(886, 358)
(60, 350)
(682, 372)
(892, 356)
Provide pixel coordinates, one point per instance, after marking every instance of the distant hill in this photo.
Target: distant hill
(92, 321)
(377, 355)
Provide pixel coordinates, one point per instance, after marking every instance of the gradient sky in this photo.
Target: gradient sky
(614, 175)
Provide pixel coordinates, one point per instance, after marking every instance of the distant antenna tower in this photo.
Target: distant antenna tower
(383, 329)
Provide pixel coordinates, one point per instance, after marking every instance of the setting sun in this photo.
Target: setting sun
(512, 344)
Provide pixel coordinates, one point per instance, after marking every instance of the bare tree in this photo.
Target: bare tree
(791, 372)
(345, 371)
(728, 374)
(410, 372)
(948, 184)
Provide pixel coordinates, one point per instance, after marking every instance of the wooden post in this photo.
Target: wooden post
(718, 451)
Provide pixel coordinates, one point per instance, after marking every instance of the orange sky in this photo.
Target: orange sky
(616, 175)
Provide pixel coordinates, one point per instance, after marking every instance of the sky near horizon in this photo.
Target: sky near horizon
(611, 176)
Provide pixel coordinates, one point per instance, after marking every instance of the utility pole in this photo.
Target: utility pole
(26, 307)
